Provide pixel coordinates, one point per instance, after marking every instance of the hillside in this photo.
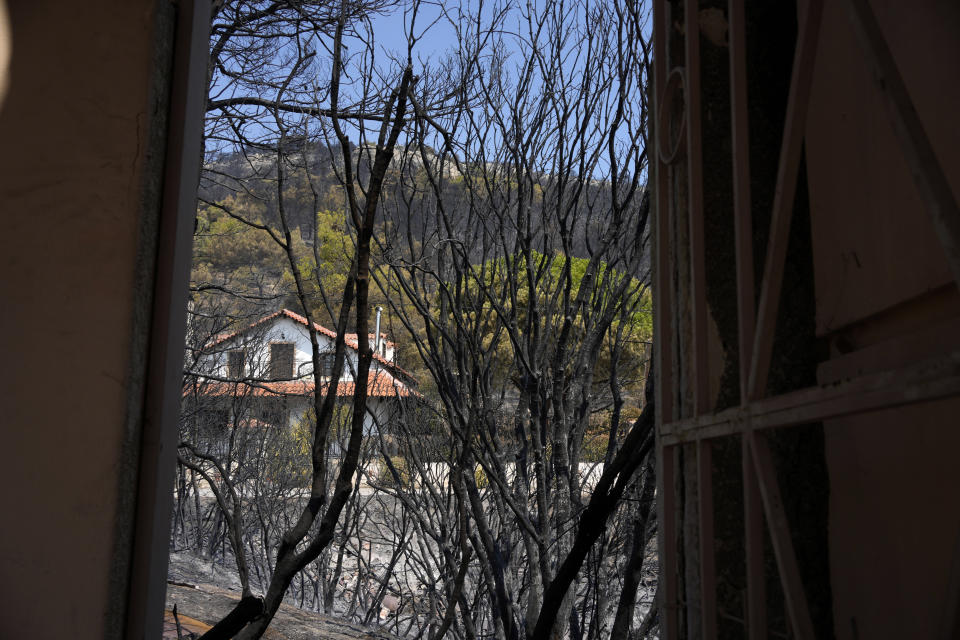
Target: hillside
(311, 183)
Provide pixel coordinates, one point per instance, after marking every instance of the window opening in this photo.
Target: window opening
(236, 363)
(281, 360)
(326, 363)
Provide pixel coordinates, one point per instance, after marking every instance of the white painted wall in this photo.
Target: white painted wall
(257, 345)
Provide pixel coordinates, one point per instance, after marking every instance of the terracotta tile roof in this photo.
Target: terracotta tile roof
(282, 388)
(380, 385)
(296, 317)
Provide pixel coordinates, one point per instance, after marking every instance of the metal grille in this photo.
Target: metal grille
(677, 136)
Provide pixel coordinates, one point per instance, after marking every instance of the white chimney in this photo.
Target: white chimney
(376, 339)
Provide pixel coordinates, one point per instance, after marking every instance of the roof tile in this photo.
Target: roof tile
(380, 385)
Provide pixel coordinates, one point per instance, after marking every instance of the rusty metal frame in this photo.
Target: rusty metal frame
(666, 504)
(924, 381)
(931, 379)
(698, 271)
(796, 600)
(708, 570)
(756, 596)
(756, 615)
(793, 133)
(743, 223)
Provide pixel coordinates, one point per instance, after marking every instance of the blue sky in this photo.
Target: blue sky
(439, 39)
(390, 30)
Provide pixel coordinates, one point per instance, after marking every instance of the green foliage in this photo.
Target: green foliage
(594, 447)
(324, 267)
(633, 320)
(549, 279)
(285, 456)
(301, 435)
(226, 245)
(234, 252)
(386, 476)
(480, 477)
(247, 261)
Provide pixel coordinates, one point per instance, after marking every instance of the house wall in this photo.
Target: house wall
(83, 105)
(380, 411)
(886, 298)
(282, 330)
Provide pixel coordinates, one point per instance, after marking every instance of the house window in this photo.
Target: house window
(326, 363)
(235, 363)
(281, 360)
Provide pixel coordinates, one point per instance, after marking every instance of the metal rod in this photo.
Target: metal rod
(708, 570)
(753, 528)
(928, 380)
(796, 599)
(698, 288)
(793, 131)
(663, 343)
(756, 618)
(669, 569)
(662, 289)
(743, 218)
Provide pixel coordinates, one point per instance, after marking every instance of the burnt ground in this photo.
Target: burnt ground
(206, 604)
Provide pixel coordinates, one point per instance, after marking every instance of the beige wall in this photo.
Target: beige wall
(74, 129)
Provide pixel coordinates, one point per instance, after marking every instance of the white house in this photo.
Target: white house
(270, 361)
